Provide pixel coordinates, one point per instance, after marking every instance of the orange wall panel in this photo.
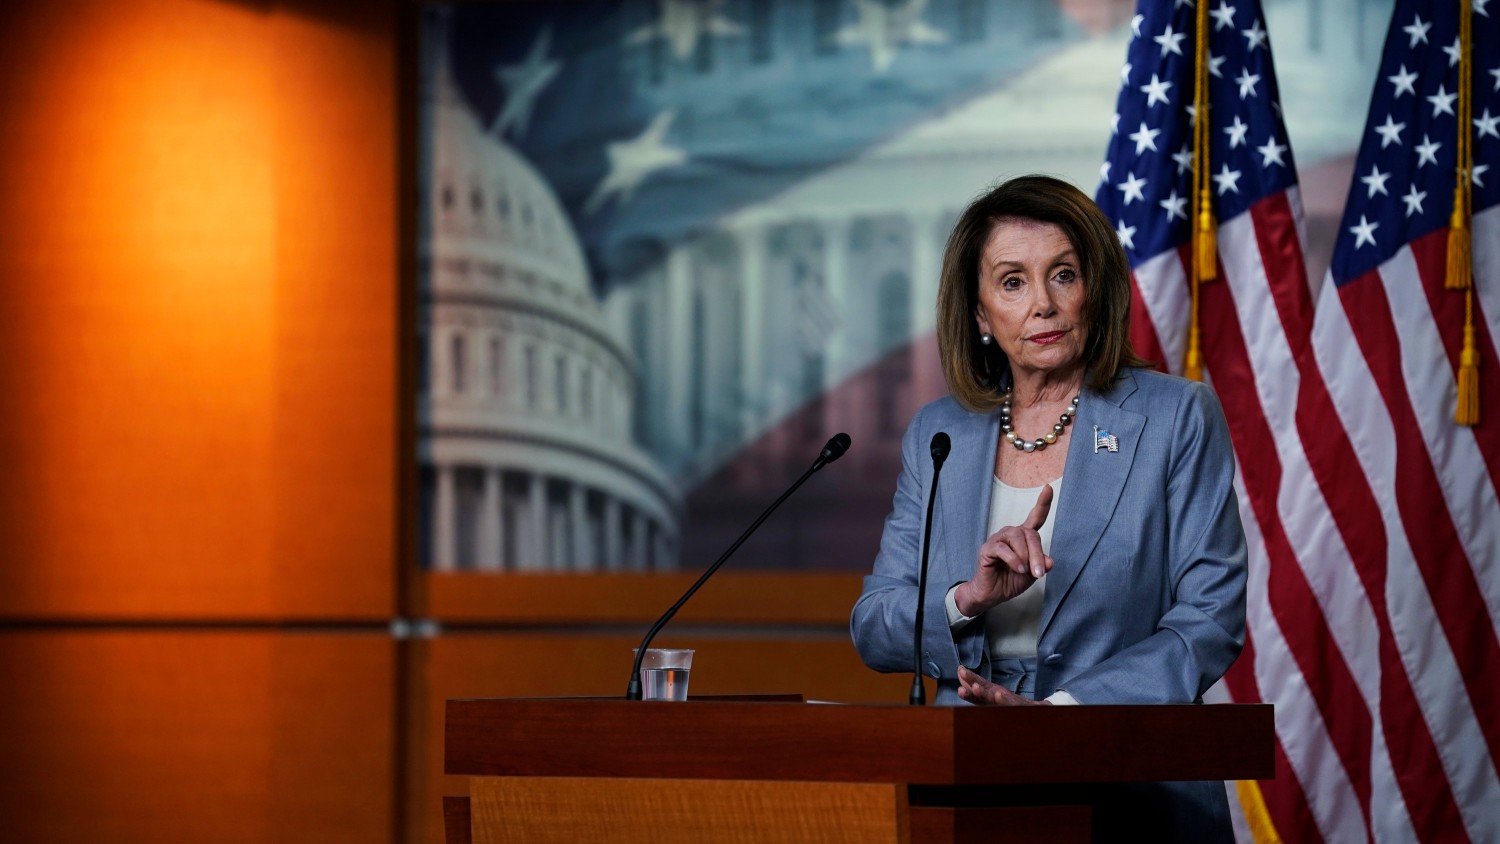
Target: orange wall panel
(131, 736)
(198, 274)
(135, 256)
(337, 323)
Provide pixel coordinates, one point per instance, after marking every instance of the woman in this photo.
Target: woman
(1086, 544)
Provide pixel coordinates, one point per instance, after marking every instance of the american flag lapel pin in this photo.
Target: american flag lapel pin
(1105, 440)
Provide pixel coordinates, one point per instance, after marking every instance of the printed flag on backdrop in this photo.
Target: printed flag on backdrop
(1371, 517)
(681, 111)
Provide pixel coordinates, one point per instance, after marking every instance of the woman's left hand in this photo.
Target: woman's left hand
(977, 690)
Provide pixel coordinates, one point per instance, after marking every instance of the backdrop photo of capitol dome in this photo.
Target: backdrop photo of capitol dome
(668, 248)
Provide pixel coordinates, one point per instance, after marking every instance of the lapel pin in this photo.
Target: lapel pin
(1105, 440)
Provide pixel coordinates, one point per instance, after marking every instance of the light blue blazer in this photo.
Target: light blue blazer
(1145, 602)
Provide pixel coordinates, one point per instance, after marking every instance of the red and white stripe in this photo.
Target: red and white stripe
(1373, 523)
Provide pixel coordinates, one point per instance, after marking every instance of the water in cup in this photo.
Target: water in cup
(664, 683)
(664, 673)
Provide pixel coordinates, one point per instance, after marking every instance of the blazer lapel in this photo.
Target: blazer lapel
(965, 486)
(1092, 485)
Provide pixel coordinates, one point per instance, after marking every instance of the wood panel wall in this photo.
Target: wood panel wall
(205, 440)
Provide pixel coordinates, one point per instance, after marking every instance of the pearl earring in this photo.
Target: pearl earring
(986, 339)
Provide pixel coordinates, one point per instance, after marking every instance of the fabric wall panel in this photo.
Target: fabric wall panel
(198, 270)
(231, 736)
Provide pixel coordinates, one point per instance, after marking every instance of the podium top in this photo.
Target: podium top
(857, 743)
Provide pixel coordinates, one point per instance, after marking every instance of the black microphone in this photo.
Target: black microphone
(940, 447)
(831, 452)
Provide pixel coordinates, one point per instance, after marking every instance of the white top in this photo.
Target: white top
(1011, 629)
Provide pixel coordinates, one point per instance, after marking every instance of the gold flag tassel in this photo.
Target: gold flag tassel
(1467, 412)
(1205, 227)
(1460, 251)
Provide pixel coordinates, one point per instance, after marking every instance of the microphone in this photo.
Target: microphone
(940, 447)
(834, 449)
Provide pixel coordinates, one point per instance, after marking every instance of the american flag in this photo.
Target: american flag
(1372, 518)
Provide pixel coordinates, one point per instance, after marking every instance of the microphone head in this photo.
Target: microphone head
(835, 448)
(940, 445)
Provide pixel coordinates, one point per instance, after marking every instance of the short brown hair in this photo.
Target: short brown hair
(977, 373)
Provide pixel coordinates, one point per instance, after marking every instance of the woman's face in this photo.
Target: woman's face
(1031, 297)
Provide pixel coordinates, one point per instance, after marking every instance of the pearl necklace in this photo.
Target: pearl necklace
(1023, 444)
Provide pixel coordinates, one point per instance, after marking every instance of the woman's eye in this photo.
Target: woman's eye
(1066, 275)
(1010, 283)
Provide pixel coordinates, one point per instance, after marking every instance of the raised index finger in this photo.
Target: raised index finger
(1038, 515)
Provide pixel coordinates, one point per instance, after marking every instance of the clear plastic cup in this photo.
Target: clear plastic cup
(664, 673)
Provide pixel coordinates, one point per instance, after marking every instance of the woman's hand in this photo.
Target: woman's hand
(1009, 562)
(977, 690)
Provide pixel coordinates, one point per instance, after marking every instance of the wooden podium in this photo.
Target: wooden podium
(750, 770)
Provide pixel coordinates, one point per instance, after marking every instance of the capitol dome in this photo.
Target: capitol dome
(526, 396)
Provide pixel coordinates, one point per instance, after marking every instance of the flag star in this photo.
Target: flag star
(1171, 42)
(1496, 73)
(1227, 180)
(1454, 53)
(1375, 181)
(1125, 73)
(632, 161)
(1178, 4)
(1114, 123)
(1192, 111)
(1417, 31)
(522, 83)
(1132, 188)
(1247, 82)
(883, 28)
(1413, 200)
(1479, 8)
(1390, 132)
(1126, 234)
(1427, 152)
(1223, 16)
(1135, 25)
(1156, 91)
(1486, 124)
(1184, 159)
(1254, 36)
(1104, 171)
(1478, 171)
(1145, 138)
(1442, 101)
(1271, 153)
(1404, 82)
(1176, 206)
(683, 24)
(1364, 232)
(1237, 132)
(1216, 62)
